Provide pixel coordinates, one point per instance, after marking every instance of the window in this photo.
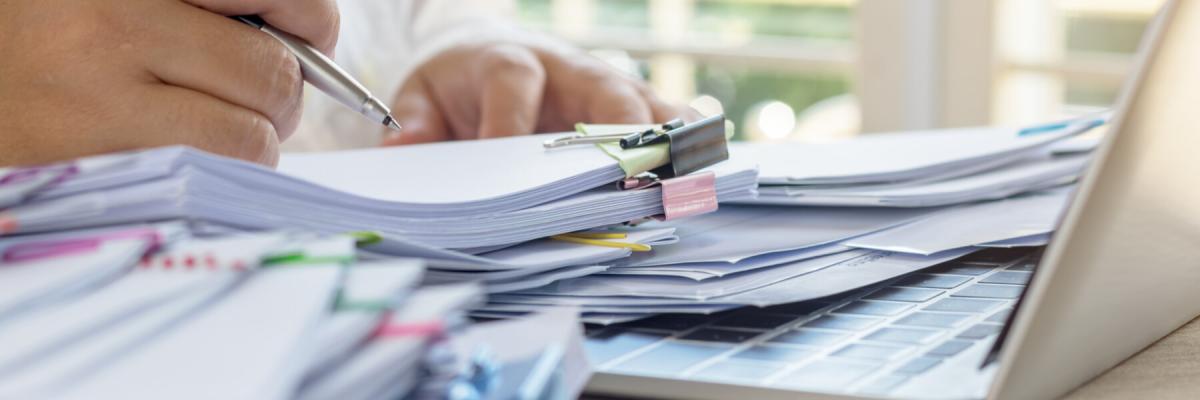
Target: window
(813, 70)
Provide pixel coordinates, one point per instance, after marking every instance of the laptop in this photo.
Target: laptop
(1122, 271)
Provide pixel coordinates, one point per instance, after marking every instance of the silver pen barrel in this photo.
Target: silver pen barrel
(328, 77)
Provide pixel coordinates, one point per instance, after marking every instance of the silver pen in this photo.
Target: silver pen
(327, 76)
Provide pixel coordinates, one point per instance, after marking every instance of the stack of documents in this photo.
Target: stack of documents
(148, 311)
(918, 169)
(468, 206)
(836, 217)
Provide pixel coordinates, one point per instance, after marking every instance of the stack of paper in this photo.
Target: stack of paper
(917, 169)
(835, 217)
(488, 193)
(146, 311)
(756, 264)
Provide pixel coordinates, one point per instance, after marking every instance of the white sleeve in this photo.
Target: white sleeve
(380, 42)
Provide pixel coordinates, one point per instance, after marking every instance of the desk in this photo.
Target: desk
(1168, 369)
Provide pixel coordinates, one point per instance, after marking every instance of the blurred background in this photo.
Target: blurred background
(816, 70)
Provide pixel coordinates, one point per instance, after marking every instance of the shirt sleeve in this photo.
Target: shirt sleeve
(380, 42)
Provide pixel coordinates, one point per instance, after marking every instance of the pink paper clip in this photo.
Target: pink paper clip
(689, 195)
(389, 329)
(36, 250)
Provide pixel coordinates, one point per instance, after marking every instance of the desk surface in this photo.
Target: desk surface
(1169, 369)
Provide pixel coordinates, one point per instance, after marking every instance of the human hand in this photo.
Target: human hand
(89, 77)
(503, 88)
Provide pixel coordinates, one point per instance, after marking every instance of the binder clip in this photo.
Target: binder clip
(692, 146)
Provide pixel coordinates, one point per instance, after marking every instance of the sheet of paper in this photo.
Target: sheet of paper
(869, 269)
(25, 285)
(248, 345)
(672, 287)
(50, 374)
(888, 157)
(1026, 241)
(974, 224)
(453, 172)
(735, 233)
(989, 185)
(369, 290)
(707, 270)
(380, 365)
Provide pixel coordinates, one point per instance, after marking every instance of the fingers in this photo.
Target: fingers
(220, 57)
(191, 118)
(663, 111)
(315, 21)
(512, 92)
(418, 115)
(618, 103)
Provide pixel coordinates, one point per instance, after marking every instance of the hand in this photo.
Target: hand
(492, 89)
(89, 77)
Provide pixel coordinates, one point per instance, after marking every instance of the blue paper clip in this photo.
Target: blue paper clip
(1057, 126)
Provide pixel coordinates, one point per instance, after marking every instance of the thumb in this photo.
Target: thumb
(420, 119)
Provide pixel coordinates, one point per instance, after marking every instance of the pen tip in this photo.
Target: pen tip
(391, 123)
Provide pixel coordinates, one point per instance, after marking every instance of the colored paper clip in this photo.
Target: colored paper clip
(692, 146)
(388, 328)
(689, 195)
(35, 250)
(568, 237)
(1082, 124)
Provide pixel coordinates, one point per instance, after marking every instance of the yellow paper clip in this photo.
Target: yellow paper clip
(574, 238)
(597, 235)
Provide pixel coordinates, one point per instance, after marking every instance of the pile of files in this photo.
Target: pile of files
(150, 311)
(836, 217)
(488, 210)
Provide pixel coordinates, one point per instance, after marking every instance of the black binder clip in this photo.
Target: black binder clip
(692, 146)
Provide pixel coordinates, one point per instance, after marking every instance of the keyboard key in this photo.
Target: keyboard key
(933, 281)
(809, 337)
(884, 384)
(737, 371)
(670, 358)
(902, 335)
(1009, 278)
(913, 295)
(720, 335)
(963, 305)
(986, 291)
(607, 345)
(1023, 266)
(999, 317)
(842, 322)
(755, 321)
(774, 353)
(962, 269)
(871, 352)
(876, 308)
(801, 308)
(826, 375)
(673, 322)
(918, 365)
(932, 320)
(949, 349)
(980, 331)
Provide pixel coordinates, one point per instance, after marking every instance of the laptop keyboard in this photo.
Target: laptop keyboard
(868, 341)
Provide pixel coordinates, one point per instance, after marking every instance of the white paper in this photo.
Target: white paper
(890, 157)
(452, 172)
(248, 345)
(974, 224)
(735, 233)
